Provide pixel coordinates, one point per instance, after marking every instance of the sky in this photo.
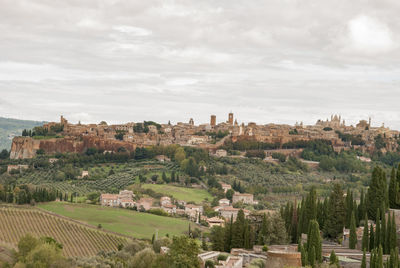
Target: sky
(266, 61)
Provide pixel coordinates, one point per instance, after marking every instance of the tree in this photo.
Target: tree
(335, 214)
(238, 229)
(143, 259)
(371, 238)
(353, 234)
(229, 194)
(365, 238)
(364, 260)
(314, 242)
(183, 252)
(180, 155)
(333, 259)
(377, 192)
(393, 190)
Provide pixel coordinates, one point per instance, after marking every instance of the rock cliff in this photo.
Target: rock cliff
(26, 147)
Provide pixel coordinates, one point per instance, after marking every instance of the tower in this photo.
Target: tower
(230, 118)
(369, 122)
(213, 120)
(191, 122)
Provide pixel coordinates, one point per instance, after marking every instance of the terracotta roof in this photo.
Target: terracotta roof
(109, 196)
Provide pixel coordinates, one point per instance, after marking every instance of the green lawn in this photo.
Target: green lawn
(180, 193)
(124, 221)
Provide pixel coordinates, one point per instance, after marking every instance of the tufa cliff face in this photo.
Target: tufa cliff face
(26, 147)
(23, 147)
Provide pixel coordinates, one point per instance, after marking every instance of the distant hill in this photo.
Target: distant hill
(13, 127)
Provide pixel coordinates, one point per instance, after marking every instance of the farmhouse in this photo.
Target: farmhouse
(245, 198)
(110, 200)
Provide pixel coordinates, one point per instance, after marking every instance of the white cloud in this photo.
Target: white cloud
(369, 35)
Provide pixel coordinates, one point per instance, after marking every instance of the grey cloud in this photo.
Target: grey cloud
(267, 61)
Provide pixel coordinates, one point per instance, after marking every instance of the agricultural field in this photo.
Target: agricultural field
(77, 239)
(100, 179)
(181, 193)
(124, 221)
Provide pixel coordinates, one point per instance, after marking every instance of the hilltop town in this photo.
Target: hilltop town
(77, 138)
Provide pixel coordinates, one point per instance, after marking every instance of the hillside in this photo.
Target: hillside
(124, 221)
(77, 239)
(13, 127)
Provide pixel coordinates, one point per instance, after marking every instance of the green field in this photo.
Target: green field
(181, 193)
(124, 221)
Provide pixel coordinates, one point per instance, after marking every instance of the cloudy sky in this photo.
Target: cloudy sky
(267, 61)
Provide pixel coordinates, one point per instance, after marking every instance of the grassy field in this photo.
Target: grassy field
(124, 221)
(77, 239)
(180, 193)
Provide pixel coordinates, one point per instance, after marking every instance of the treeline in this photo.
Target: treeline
(41, 131)
(354, 139)
(338, 211)
(244, 233)
(22, 194)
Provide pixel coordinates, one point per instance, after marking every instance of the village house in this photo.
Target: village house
(110, 200)
(162, 158)
(226, 187)
(145, 202)
(215, 221)
(169, 208)
(193, 211)
(16, 167)
(165, 200)
(228, 212)
(221, 153)
(223, 202)
(123, 199)
(245, 198)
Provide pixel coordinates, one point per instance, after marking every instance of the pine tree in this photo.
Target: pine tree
(353, 234)
(364, 260)
(365, 238)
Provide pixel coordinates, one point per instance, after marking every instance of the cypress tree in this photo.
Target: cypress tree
(293, 231)
(378, 230)
(353, 234)
(364, 260)
(336, 213)
(333, 259)
(393, 234)
(228, 236)
(379, 260)
(365, 238)
(383, 232)
(304, 256)
(314, 241)
(349, 207)
(371, 238)
(387, 235)
(377, 192)
(311, 257)
(238, 229)
(393, 190)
